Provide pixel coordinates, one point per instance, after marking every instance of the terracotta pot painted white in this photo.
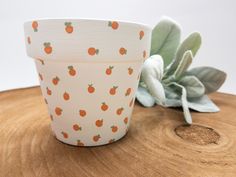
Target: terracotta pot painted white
(89, 72)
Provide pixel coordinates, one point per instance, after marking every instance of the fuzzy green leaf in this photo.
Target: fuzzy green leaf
(184, 101)
(193, 43)
(156, 89)
(184, 64)
(193, 86)
(165, 39)
(210, 77)
(202, 104)
(144, 97)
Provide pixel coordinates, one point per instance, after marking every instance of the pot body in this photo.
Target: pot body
(89, 72)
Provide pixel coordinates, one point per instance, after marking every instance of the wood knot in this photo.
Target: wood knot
(197, 134)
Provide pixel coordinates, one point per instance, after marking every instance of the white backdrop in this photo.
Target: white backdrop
(215, 20)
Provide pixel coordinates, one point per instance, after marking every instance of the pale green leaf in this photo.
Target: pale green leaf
(184, 101)
(156, 89)
(210, 77)
(144, 97)
(202, 104)
(184, 64)
(193, 86)
(165, 39)
(193, 43)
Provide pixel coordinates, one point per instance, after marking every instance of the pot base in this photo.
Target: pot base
(92, 145)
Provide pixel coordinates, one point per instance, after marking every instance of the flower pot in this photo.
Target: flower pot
(89, 72)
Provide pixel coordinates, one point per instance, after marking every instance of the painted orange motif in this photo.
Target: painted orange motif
(35, 26)
(113, 24)
(47, 47)
(138, 76)
(40, 76)
(69, 28)
(51, 117)
(144, 54)
(92, 51)
(42, 62)
(141, 34)
(66, 96)
(130, 70)
(76, 127)
(91, 89)
(58, 111)
(109, 70)
(128, 91)
(80, 143)
(131, 102)
(104, 106)
(123, 51)
(49, 92)
(119, 111)
(28, 40)
(126, 120)
(111, 141)
(65, 135)
(113, 90)
(99, 122)
(72, 71)
(96, 138)
(114, 128)
(82, 113)
(55, 80)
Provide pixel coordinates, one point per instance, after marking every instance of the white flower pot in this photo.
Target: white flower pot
(89, 72)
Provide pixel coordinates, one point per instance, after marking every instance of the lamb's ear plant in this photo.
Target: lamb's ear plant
(166, 79)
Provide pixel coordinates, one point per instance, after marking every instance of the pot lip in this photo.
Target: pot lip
(131, 23)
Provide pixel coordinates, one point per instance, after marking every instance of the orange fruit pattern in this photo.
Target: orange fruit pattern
(47, 47)
(76, 127)
(113, 90)
(68, 27)
(65, 135)
(66, 96)
(114, 128)
(55, 80)
(113, 24)
(141, 34)
(28, 40)
(131, 102)
(93, 51)
(130, 71)
(126, 120)
(35, 26)
(80, 143)
(123, 51)
(49, 92)
(119, 111)
(41, 77)
(109, 70)
(128, 91)
(91, 89)
(72, 71)
(96, 138)
(111, 141)
(144, 54)
(99, 122)
(104, 107)
(82, 113)
(58, 111)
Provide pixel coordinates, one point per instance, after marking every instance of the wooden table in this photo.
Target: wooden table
(157, 144)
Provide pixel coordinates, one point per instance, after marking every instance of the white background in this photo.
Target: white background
(216, 20)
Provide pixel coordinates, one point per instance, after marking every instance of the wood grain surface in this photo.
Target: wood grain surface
(156, 145)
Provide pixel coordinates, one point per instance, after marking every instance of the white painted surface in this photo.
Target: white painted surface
(214, 19)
